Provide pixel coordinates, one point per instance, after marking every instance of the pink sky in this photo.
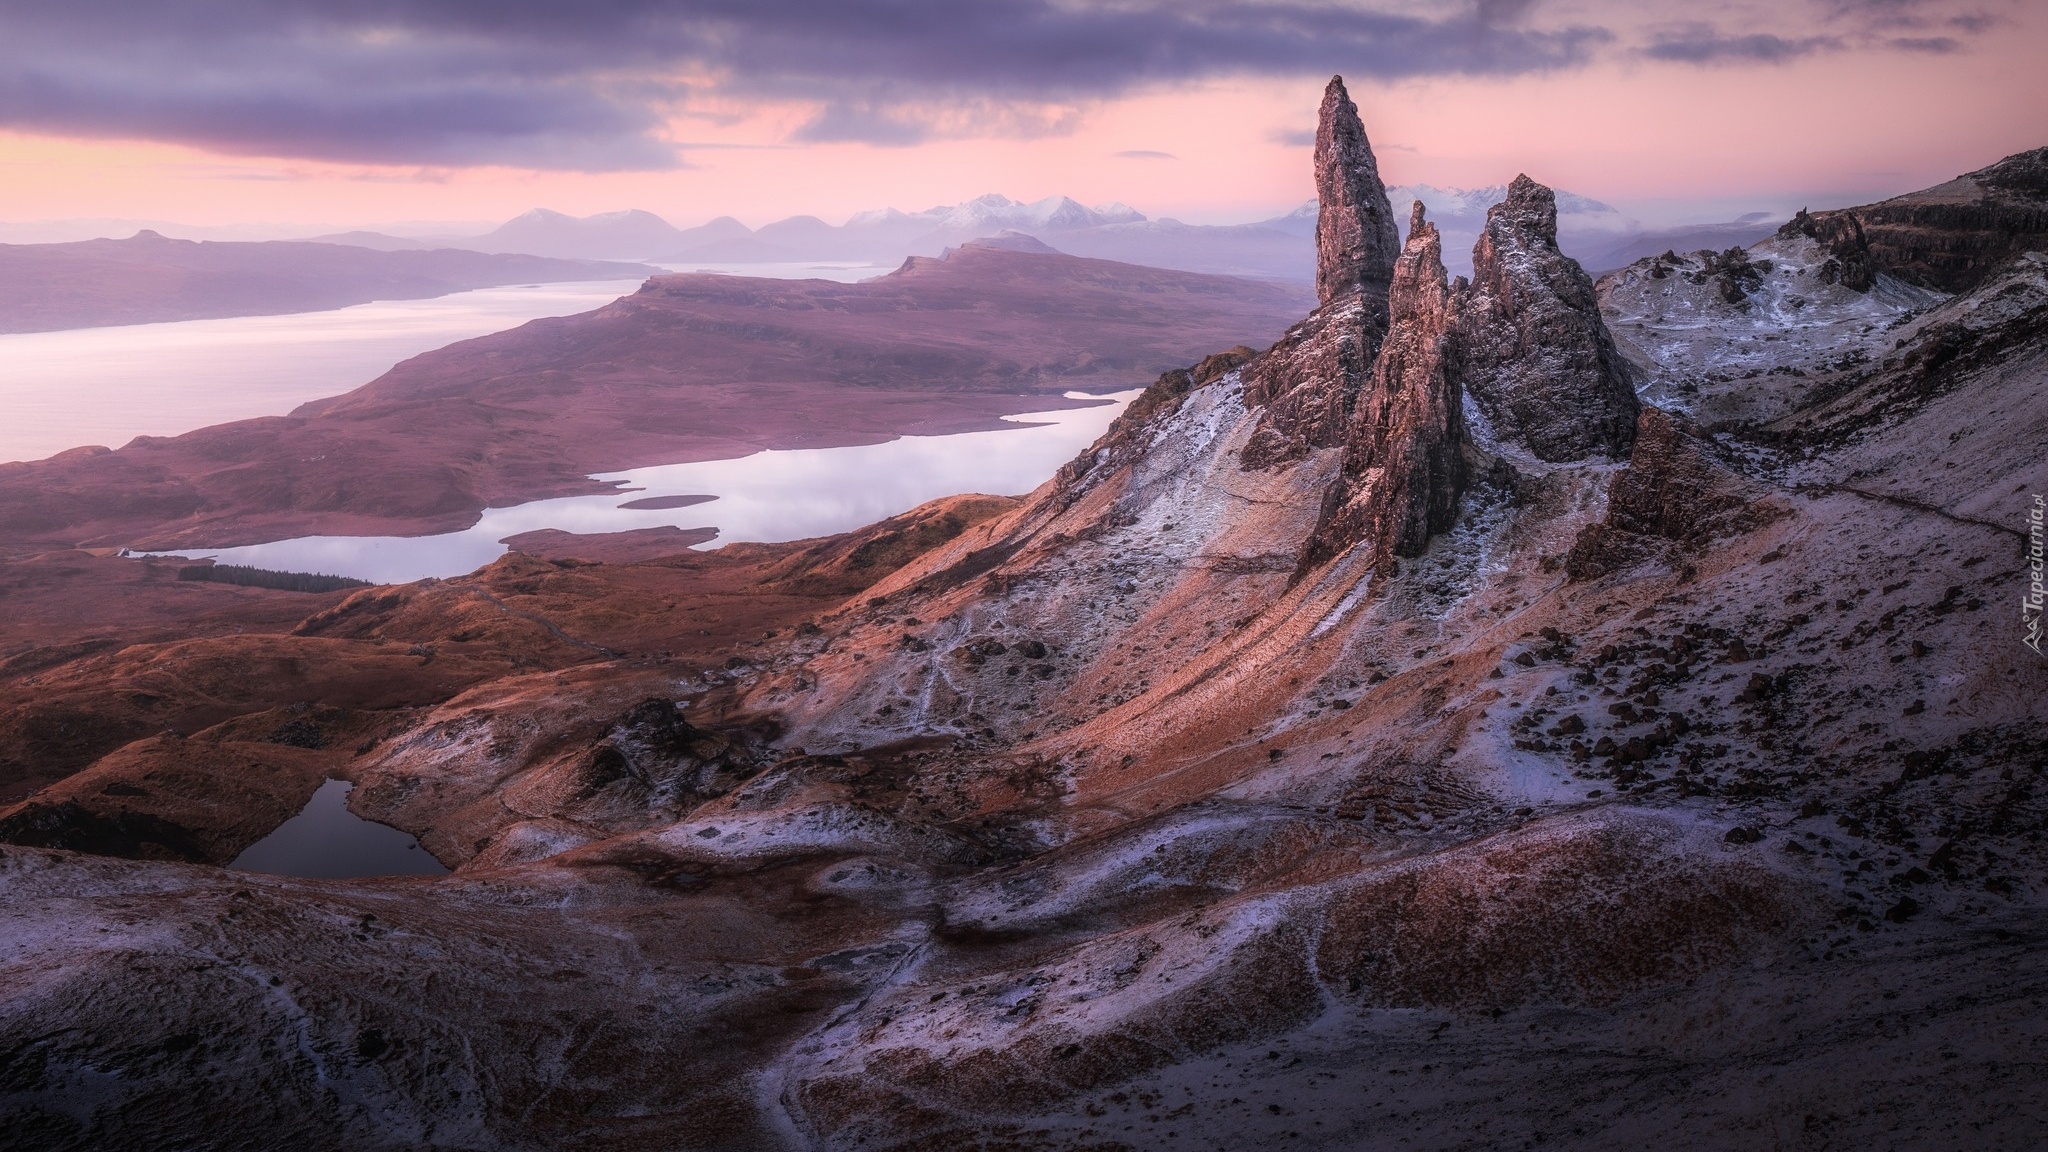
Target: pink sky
(1661, 139)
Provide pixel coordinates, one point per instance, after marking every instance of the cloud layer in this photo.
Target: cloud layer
(590, 85)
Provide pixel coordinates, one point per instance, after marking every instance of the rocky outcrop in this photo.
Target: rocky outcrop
(1404, 468)
(1948, 237)
(1676, 489)
(2001, 321)
(1356, 243)
(1534, 352)
(1841, 234)
(1309, 382)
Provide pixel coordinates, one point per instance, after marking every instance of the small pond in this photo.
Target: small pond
(328, 841)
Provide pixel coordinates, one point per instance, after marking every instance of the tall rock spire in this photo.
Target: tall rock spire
(1534, 352)
(1356, 242)
(1404, 464)
(1309, 382)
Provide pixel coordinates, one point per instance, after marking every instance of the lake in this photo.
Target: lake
(768, 496)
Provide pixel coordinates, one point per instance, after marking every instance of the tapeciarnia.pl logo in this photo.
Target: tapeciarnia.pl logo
(2031, 607)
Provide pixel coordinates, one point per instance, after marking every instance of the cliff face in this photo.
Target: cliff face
(1305, 386)
(1404, 467)
(1534, 351)
(1948, 237)
(1308, 384)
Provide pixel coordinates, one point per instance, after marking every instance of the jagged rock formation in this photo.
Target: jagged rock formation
(1306, 385)
(1535, 354)
(1356, 243)
(1841, 234)
(1948, 237)
(1309, 382)
(1405, 467)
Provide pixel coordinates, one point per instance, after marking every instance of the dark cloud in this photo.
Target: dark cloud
(1925, 26)
(1933, 45)
(1493, 12)
(1294, 137)
(588, 84)
(1882, 16)
(1144, 154)
(1706, 46)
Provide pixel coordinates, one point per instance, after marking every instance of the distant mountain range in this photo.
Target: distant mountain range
(1278, 248)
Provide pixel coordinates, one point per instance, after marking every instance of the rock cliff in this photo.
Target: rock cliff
(1676, 491)
(1356, 243)
(1948, 237)
(1535, 353)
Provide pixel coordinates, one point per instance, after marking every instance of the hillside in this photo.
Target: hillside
(1948, 237)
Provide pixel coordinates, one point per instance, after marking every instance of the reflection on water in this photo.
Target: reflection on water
(109, 385)
(327, 840)
(769, 496)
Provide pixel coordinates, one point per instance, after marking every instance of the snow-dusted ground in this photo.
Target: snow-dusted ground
(1753, 359)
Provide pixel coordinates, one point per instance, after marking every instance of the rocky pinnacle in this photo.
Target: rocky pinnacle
(1356, 242)
(1534, 353)
(1404, 465)
(1309, 382)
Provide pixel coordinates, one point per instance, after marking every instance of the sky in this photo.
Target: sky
(316, 113)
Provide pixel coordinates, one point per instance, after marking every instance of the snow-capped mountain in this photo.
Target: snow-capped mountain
(887, 235)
